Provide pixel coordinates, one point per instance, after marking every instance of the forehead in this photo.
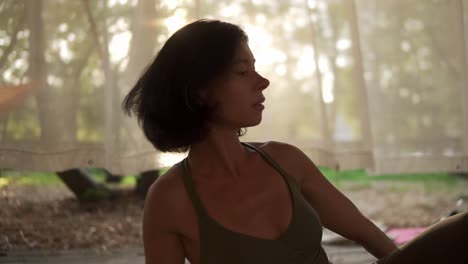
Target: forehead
(243, 54)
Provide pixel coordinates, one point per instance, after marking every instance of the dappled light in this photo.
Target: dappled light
(374, 92)
(355, 84)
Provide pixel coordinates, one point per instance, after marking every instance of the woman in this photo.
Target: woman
(233, 202)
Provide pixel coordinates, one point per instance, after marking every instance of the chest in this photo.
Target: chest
(262, 219)
(260, 207)
(262, 239)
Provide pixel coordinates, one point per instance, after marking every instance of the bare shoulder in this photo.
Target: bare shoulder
(162, 225)
(279, 151)
(281, 148)
(167, 182)
(166, 199)
(292, 159)
(164, 187)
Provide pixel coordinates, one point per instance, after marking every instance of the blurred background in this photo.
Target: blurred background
(363, 84)
(375, 92)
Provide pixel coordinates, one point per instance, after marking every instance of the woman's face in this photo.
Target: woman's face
(239, 93)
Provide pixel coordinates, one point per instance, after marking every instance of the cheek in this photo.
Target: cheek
(231, 106)
(233, 95)
(229, 93)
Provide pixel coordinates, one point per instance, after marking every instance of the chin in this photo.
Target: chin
(253, 123)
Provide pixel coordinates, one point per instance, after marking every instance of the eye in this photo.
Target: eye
(243, 73)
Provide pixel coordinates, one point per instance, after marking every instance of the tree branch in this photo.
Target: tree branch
(94, 30)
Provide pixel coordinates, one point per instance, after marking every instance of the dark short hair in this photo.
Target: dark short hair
(166, 99)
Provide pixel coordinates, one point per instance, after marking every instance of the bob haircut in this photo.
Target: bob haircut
(166, 98)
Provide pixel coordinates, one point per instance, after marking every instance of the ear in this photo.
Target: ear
(204, 97)
(204, 94)
(208, 93)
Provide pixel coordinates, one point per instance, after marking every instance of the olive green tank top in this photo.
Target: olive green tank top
(299, 244)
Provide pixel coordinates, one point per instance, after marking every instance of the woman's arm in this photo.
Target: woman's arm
(161, 241)
(336, 211)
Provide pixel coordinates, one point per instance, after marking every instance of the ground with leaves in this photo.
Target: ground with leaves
(48, 216)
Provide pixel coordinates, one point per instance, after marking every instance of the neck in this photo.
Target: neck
(220, 153)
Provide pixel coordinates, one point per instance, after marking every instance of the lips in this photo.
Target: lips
(259, 104)
(260, 101)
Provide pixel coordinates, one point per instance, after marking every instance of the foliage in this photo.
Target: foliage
(45, 178)
(93, 51)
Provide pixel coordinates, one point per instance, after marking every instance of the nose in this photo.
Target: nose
(263, 83)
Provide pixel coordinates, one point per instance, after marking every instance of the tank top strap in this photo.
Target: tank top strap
(190, 187)
(290, 180)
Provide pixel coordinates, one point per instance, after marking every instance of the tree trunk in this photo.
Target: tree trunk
(38, 74)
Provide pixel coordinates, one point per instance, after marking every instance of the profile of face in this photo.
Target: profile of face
(238, 94)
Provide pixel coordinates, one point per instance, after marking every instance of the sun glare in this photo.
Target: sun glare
(343, 44)
(169, 159)
(261, 44)
(64, 50)
(119, 45)
(176, 21)
(305, 64)
(232, 10)
(327, 87)
(112, 3)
